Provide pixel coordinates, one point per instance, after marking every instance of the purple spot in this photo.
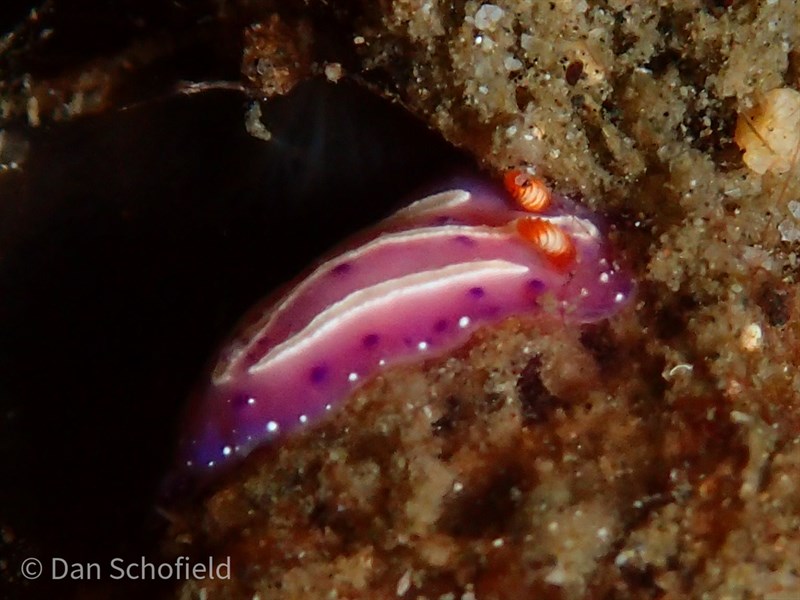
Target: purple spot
(371, 340)
(466, 241)
(440, 326)
(319, 374)
(342, 268)
(476, 292)
(536, 286)
(240, 400)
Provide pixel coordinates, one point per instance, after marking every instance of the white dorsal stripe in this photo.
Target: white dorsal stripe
(578, 227)
(420, 234)
(383, 294)
(384, 240)
(446, 199)
(481, 232)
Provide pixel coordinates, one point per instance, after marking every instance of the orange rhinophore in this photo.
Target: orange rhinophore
(554, 243)
(531, 193)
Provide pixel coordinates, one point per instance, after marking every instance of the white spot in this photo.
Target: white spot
(352, 377)
(251, 401)
(333, 72)
(303, 419)
(211, 463)
(272, 427)
(619, 297)
(382, 363)
(624, 557)
(603, 277)
(328, 407)
(463, 322)
(497, 543)
(404, 583)
(189, 463)
(358, 40)
(226, 451)
(422, 345)
(751, 337)
(478, 40)
(458, 486)
(740, 417)
(584, 292)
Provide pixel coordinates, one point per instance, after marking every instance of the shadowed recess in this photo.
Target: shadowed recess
(129, 245)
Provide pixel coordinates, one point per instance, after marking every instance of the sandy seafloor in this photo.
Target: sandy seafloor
(655, 455)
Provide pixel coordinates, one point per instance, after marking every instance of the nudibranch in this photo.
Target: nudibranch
(415, 286)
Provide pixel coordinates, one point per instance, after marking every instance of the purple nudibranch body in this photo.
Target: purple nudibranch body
(415, 286)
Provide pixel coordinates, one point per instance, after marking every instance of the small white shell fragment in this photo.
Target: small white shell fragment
(333, 72)
(769, 133)
(254, 125)
(404, 584)
(487, 16)
(751, 337)
(512, 64)
(789, 231)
